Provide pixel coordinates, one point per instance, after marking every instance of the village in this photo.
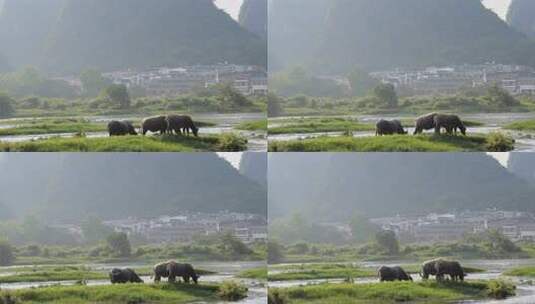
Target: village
(434, 227)
(516, 79)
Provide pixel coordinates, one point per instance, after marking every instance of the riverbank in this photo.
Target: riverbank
(391, 292)
(397, 143)
(124, 293)
(227, 142)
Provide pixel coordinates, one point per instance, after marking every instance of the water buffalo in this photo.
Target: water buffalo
(185, 271)
(449, 122)
(393, 274)
(389, 127)
(429, 268)
(121, 128)
(154, 124)
(181, 124)
(172, 269)
(121, 276)
(425, 122)
(451, 268)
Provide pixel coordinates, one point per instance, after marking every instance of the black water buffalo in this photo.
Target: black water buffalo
(425, 122)
(389, 127)
(121, 128)
(121, 276)
(172, 269)
(451, 268)
(185, 271)
(181, 124)
(393, 274)
(449, 122)
(429, 268)
(154, 124)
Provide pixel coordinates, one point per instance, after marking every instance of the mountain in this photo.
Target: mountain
(295, 29)
(24, 28)
(336, 186)
(253, 17)
(522, 165)
(376, 34)
(66, 36)
(520, 16)
(254, 166)
(68, 187)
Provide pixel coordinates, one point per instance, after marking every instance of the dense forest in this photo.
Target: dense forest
(67, 36)
(378, 184)
(338, 35)
(69, 187)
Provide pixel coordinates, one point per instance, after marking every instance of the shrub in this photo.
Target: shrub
(6, 254)
(498, 142)
(232, 291)
(276, 297)
(230, 142)
(500, 289)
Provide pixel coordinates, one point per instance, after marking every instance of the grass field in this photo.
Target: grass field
(524, 125)
(391, 292)
(167, 143)
(255, 273)
(521, 272)
(257, 125)
(396, 143)
(321, 271)
(117, 294)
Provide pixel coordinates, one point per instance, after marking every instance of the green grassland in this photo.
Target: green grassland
(166, 143)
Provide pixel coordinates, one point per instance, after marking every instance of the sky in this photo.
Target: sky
(232, 7)
(498, 6)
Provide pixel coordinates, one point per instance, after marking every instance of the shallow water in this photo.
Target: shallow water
(525, 141)
(225, 123)
(494, 269)
(225, 271)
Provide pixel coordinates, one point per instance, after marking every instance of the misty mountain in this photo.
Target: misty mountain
(68, 187)
(66, 36)
(24, 29)
(254, 166)
(336, 186)
(375, 34)
(522, 165)
(295, 30)
(253, 17)
(520, 16)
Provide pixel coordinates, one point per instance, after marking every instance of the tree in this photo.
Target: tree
(501, 97)
(94, 230)
(6, 106)
(118, 94)
(386, 93)
(361, 82)
(386, 239)
(118, 242)
(500, 242)
(274, 106)
(275, 252)
(361, 228)
(93, 82)
(6, 254)
(229, 243)
(231, 97)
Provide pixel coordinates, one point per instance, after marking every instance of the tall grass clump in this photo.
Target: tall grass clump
(232, 291)
(499, 142)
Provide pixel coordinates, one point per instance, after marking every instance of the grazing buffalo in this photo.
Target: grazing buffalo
(425, 122)
(185, 271)
(386, 127)
(451, 268)
(429, 268)
(449, 122)
(393, 274)
(121, 276)
(181, 124)
(172, 269)
(121, 128)
(154, 124)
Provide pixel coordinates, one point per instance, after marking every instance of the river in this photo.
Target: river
(224, 123)
(525, 293)
(224, 271)
(492, 122)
